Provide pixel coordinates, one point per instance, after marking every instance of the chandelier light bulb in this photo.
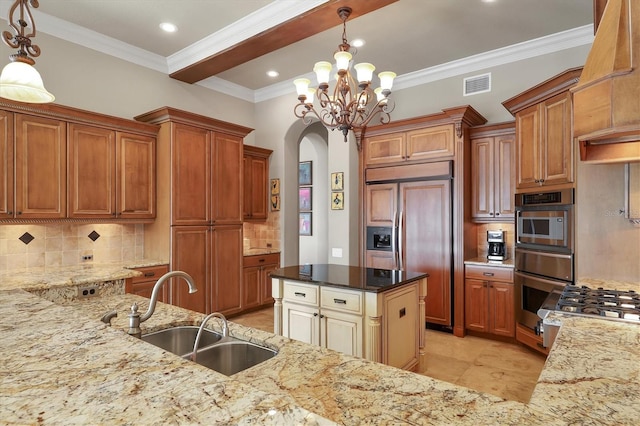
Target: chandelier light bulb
(302, 86)
(342, 60)
(365, 72)
(386, 80)
(323, 72)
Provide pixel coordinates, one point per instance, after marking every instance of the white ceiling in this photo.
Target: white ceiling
(409, 37)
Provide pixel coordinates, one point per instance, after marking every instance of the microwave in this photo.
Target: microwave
(544, 221)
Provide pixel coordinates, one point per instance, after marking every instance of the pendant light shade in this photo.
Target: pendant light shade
(21, 82)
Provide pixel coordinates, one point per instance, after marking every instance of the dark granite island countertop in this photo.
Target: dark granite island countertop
(376, 314)
(351, 277)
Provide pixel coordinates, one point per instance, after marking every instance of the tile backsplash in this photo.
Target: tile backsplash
(263, 234)
(35, 245)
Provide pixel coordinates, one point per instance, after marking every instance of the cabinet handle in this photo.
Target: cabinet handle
(149, 274)
(298, 294)
(340, 301)
(261, 260)
(487, 274)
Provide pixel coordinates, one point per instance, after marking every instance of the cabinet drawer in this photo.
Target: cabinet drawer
(261, 260)
(150, 273)
(346, 301)
(488, 273)
(300, 293)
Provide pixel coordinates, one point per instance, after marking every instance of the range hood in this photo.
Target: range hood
(606, 100)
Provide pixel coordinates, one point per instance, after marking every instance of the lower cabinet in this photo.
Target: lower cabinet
(143, 285)
(489, 300)
(256, 280)
(382, 327)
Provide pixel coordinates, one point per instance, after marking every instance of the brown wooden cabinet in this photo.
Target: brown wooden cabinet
(256, 283)
(492, 172)
(40, 168)
(143, 285)
(60, 162)
(544, 148)
(111, 174)
(256, 183)
(436, 142)
(199, 222)
(489, 300)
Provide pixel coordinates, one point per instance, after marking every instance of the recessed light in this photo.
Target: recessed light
(168, 27)
(357, 42)
(273, 73)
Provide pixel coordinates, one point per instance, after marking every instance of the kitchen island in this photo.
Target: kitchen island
(61, 365)
(377, 314)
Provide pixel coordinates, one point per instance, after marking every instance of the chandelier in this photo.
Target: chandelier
(19, 80)
(351, 106)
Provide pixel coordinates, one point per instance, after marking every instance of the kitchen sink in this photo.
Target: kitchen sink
(231, 356)
(226, 355)
(179, 340)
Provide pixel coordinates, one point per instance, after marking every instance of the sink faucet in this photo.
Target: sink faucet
(135, 318)
(107, 317)
(225, 331)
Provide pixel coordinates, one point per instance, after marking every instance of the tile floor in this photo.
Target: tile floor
(506, 370)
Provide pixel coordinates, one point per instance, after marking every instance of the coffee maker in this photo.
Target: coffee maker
(497, 245)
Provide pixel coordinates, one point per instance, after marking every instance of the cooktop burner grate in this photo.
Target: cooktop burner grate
(610, 304)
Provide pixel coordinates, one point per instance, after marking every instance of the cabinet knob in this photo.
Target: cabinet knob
(497, 214)
(315, 314)
(19, 213)
(10, 212)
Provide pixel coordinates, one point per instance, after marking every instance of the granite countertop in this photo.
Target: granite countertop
(62, 365)
(351, 277)
(482, 261)
(43, 278)
(259, 251)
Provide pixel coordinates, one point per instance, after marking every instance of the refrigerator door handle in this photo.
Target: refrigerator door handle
(394, 242)
(400, 243)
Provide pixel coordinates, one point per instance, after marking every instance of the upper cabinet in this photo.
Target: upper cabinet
(492, 172)
(111, 174)
(431, 143)
(256, 182)
(544, 148)
(64, 163)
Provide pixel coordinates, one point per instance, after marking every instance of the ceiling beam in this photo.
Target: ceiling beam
(302, 26)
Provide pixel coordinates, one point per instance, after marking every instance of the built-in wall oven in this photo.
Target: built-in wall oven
(544, 255)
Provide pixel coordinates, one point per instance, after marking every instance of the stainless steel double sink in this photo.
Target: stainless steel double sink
(226, 355)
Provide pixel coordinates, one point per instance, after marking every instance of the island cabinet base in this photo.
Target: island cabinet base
(379, 326)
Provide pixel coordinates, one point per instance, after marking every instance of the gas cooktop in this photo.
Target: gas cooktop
(608, 304)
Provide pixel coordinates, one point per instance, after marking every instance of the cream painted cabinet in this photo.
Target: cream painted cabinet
(383, 327)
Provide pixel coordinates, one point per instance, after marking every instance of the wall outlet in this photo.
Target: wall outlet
(87, 291)
(86, 257)
(336, 252)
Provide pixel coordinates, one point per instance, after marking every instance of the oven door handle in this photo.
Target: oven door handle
(548, 285)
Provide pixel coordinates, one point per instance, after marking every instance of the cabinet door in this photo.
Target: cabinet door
(92, 172)
(301, 323)
(40, 168)
(385, 149)
(476, 305)
(430, 143)
(528, 147)
(425, 229)
(501, 304)
(251, 287)
(190, 249)
(190, 175)
(6, 165)
(382, 204)
(482, 175)
(228, 179)
(341, 332)
(402, 322)
(556, 148)
(255, 188)
(505, 176)
(226, 269)
(136, 176)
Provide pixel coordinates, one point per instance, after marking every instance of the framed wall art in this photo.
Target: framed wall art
(337, 201)
(304, 173)
(337, 183)
(275, 203)
(305, 224)
(275, 186)
(304, 199)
